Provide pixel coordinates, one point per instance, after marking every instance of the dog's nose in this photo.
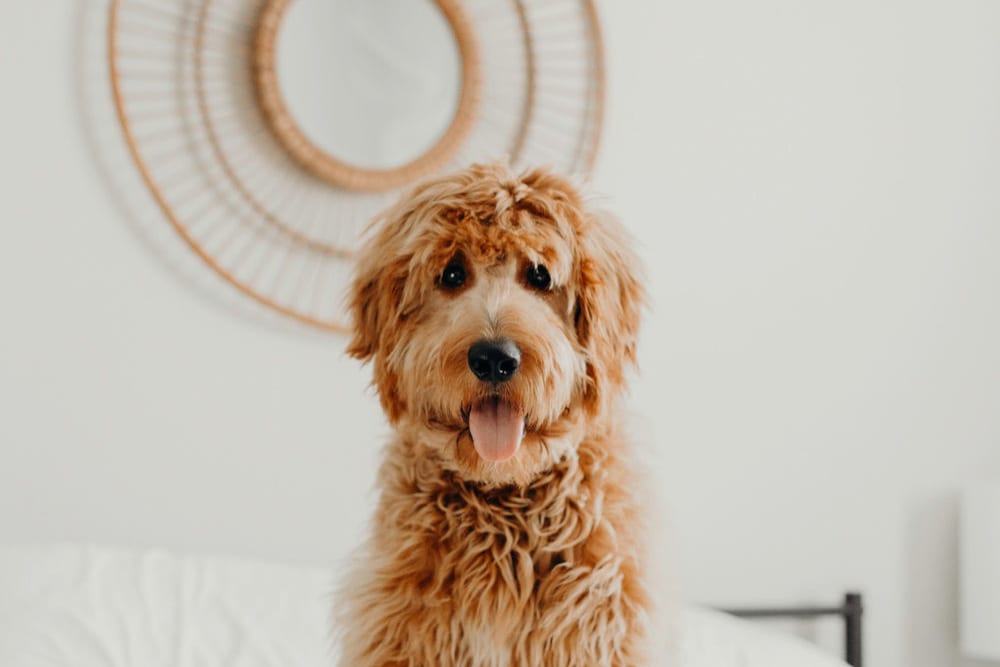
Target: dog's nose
(494, 360)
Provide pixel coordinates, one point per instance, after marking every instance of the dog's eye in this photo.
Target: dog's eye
(538, 277)
(453, 276)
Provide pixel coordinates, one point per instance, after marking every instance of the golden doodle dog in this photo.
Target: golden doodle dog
(500, 315)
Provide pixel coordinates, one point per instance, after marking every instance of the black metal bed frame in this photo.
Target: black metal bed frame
(851, 611)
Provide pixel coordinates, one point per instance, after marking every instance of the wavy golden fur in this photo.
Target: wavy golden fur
(530, 561)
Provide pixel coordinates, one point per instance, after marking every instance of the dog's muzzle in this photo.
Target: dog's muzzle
(495, 424)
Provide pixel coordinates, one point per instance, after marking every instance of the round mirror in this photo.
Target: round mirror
(367, 94)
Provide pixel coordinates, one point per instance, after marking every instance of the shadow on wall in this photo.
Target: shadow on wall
(931, 576)
(147, 223)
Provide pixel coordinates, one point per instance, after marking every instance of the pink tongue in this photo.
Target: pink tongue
(497, 428)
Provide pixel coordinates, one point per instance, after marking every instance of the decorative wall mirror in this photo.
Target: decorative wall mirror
(271, 131)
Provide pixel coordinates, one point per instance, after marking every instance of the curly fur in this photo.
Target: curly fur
(537, 560)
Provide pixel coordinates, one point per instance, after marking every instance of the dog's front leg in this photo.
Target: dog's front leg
(590, 616)
(391, 614)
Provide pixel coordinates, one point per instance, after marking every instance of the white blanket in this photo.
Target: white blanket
(72, 606)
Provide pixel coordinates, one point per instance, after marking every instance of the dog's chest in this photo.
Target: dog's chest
(505, 571)
(497, 600)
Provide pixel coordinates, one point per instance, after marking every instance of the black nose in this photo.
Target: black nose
(494, 360)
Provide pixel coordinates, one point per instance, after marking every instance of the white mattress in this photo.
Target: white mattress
(93, 607)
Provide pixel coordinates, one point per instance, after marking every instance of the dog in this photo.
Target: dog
(500, 315)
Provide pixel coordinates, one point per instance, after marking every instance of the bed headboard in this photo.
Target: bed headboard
(850, 610)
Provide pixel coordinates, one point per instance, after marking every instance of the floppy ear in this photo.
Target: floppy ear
(376, 294)
(377, 305)
(609, 301)
(365, 311)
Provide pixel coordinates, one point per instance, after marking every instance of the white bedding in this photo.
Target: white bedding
(73, 606)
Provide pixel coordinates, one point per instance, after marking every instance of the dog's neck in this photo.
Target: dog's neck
(445, 454)
(575, 480)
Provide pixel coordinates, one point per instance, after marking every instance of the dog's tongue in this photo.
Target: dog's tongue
(497, 428)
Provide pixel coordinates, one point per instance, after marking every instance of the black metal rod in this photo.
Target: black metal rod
(789, 612)
(851, 611)
(854, 609)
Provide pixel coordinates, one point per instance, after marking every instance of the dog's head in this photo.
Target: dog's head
(501, 315)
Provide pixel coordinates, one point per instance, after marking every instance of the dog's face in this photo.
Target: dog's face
(500, 315)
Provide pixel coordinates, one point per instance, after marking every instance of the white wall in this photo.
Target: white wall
(815, 188)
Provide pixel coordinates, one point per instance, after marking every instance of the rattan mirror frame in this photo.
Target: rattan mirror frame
(340, 172)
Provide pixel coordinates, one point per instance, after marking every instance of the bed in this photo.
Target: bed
(85, 606)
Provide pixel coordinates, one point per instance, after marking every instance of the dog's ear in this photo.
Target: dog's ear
(376, 293)
(608, 304)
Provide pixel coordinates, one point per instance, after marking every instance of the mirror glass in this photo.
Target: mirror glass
(373, 83)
